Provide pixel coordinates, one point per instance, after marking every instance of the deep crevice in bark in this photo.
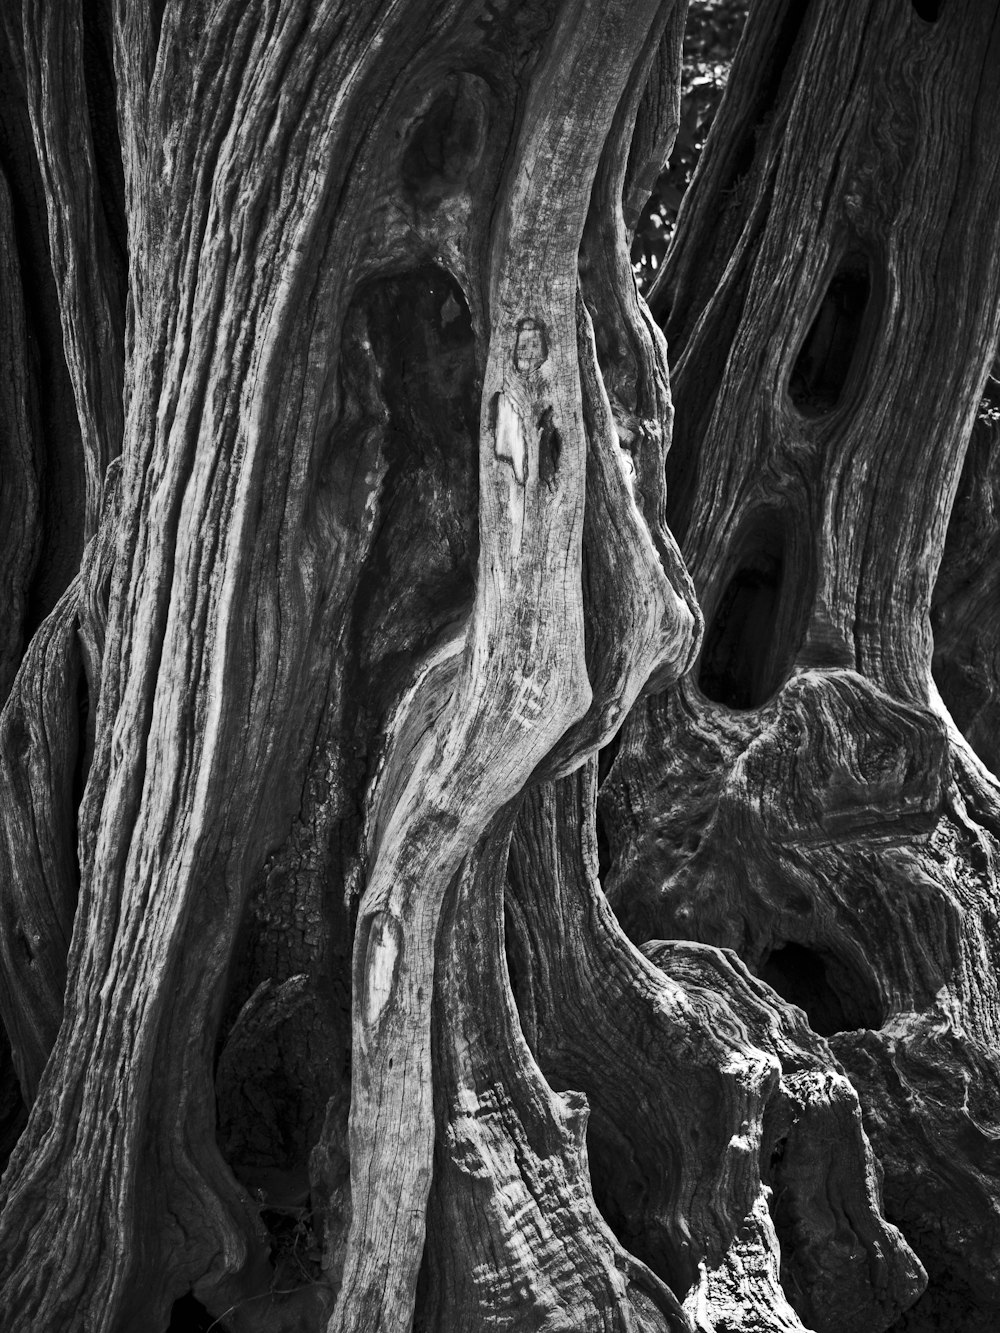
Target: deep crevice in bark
(102, 108)
(13, 1112)
(420, 574)
(929, 10)
(188, 1315)
(58, 453)
(754, 631)
(834, 341)
(833, 995)
(446, 141)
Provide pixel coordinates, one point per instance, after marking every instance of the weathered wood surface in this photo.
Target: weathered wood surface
(383, 565)
(802, 797)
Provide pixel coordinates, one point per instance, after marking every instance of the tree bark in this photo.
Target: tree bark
(803, 797)
(319, 1015)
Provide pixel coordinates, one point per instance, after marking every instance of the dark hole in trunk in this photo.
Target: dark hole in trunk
(833, 996)
(929, 10)
(824, 362)
(744, 659)
(190, 1316)
(605, 760)
(447, 140)
(606, 757)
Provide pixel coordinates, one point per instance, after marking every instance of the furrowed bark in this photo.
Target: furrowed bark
(800, 797)
(40, 739)
(384, 562)
(179, 811)
(506, 695)
(91, 306)
(515, 1238)
(45, 520)
(964, 610)
(19, 497)
(186, 735)
(713, 1105)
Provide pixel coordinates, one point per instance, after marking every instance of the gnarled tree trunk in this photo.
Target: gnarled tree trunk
(336, 556)
(804, 797)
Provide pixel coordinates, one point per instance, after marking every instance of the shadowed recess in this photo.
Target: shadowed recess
(750, 641)
(99, 77)
(831, 993)
(13, 1113)
(420, 574)
(447, 140)
(400, 469)
(823, 365)
(929, 10)
(190, 1316)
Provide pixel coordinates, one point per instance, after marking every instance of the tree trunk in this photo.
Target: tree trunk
(336, 554)
(804, 797)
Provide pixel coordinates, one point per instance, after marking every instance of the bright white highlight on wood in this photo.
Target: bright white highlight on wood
(382, 965)
(511, 442)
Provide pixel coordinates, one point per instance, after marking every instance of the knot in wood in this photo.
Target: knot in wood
(531, 347)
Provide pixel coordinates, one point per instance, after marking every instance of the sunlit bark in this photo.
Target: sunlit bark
(319, 1015)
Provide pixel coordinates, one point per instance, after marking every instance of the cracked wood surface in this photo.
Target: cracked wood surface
(383, 564)
(803, 797)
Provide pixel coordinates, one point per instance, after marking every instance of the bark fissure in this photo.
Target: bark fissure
(313, 1011)
(821, 832)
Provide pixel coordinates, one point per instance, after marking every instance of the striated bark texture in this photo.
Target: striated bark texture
(964, 611)
(803, 797)
(335, 546)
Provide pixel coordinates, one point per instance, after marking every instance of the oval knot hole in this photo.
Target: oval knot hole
(531, 348)
(447, 140)
(824, 363)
